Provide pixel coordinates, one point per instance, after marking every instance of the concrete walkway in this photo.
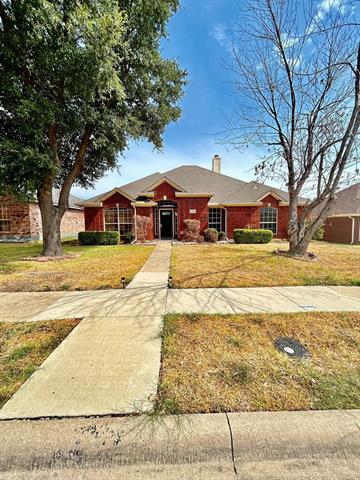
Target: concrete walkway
(315, 445)
(110, 362)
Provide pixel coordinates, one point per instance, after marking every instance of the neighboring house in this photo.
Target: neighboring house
(217, 200)
(21, 222)
(343, 225)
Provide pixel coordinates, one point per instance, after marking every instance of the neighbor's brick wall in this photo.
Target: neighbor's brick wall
(338, 230)
(72, 222)
(19, 220)
(35, 221)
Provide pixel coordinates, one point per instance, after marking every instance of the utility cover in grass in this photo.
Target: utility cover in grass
(291, 347)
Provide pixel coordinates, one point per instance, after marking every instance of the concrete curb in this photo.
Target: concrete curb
(251, 446)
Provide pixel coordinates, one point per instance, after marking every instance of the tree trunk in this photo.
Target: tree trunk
(51, 219)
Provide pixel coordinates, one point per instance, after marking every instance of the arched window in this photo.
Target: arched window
(118, 219)
(268, 219)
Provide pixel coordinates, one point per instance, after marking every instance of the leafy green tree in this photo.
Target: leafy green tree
(79, 79)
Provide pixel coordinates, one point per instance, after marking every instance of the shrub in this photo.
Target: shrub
(222, 236)
(142, 225)
(211, 235)
(128, 237)
(191, 230)
(248, 235)
(99, 238)
(319, 234)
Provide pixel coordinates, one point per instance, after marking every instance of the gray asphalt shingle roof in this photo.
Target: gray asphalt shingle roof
(195, 179)
(348, 201)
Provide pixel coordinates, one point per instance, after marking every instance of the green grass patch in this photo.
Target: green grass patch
(23, 347)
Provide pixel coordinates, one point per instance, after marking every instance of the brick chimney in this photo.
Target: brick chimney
(216, 164)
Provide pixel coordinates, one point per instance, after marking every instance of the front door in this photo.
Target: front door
(166, 224)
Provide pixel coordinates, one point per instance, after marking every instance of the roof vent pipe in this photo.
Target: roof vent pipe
(216, 164)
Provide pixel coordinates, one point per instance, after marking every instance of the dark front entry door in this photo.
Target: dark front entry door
(166, 223)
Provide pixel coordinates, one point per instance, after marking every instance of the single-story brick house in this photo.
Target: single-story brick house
(217, 200)
(343, 225)
(21, 222)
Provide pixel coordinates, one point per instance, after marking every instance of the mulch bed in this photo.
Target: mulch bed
(308, 257)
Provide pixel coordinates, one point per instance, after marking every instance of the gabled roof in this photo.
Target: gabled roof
(222, 189)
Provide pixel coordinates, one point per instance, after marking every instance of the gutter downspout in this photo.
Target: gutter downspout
(352, 229)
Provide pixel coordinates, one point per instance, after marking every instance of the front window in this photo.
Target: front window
(216, 219)
(4, 218)
(268, 219)
(119, 219)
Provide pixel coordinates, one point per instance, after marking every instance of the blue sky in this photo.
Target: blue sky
(199, 40)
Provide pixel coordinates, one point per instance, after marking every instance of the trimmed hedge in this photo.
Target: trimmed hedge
(99, 238)
(211, 235)
(222, 236)
(248, 235)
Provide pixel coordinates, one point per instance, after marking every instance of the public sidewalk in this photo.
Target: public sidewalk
(147, 295)
(315, 445)
(109, 364)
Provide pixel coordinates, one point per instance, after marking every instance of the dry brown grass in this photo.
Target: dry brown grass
(23, 347)
(93, 267)
(233, 265)
(214, 363)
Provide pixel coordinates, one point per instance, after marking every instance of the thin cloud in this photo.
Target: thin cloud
(222, 36)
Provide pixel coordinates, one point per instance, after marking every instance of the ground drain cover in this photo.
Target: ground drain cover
(291, 347)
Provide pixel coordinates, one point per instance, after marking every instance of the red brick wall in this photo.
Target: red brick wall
(185, 204)
(147, 212)
(94, 216)
(164, 189)
(94, 219)
(241, 217)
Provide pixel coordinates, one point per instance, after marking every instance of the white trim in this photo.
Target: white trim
(147, 194)
(144, 204)
(250, 204)
(195, 195)
(337, 215)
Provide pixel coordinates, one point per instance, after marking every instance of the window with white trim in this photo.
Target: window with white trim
(216, 219)
(4, 218)
(118, 219)
(268, 219)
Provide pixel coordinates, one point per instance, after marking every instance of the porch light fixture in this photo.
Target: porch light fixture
(122, 282)
(291, 347)
(170, 284)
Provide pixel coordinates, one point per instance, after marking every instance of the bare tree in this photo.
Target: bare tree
(297, 82)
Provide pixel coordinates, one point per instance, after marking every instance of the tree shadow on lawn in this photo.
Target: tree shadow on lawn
(247, 261)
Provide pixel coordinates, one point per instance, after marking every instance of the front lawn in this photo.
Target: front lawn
(214, 363)
(230, 265)
(91, 268)
(24, 347)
